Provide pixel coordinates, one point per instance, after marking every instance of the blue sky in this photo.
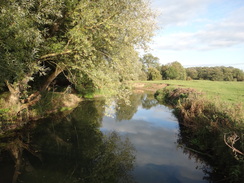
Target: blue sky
(200, 32)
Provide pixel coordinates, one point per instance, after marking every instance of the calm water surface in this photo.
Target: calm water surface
(138, 144)
(153, 130)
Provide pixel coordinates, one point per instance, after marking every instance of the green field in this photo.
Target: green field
(223, 90)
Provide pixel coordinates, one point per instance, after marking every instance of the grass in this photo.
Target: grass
(224, 90)
(209, 126)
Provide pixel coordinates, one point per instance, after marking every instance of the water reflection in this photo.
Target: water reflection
(139, 144)
(71, 150)
(126, 112)
(153, 130)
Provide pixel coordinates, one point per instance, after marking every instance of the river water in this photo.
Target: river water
(139, 143)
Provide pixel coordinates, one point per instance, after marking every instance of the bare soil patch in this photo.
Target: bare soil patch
(151, 87)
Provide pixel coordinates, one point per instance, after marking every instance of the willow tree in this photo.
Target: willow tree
(92, 41)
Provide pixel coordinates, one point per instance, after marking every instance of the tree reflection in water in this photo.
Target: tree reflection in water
(68, 150)
(126, 112)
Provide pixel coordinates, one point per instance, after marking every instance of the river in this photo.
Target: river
(137, 143)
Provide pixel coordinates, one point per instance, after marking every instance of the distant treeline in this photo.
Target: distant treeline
(215, 73)
(152, 70)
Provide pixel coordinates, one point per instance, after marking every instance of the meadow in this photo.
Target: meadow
(226, 91)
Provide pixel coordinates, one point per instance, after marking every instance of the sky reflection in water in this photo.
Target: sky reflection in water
(153, 132)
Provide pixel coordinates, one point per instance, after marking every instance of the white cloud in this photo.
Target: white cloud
(200, 32)
(156, 147)
(178, 12)
(217, 34)
(175, 41)
(228, 32)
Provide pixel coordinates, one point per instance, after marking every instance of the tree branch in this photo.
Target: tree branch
(233, 140)
(11, 88)
(55, 54)
(102, 22)
(57, 71)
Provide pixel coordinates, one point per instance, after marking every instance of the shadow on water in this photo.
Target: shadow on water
(72, 149)
(201, 147)
(80, 147)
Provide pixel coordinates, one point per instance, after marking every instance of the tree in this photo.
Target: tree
(227, 71)
(173, 70)
(192, 73)
(216, 73)
(238, 74)
(72, 148)
(148, 60)
(125, 111)
(153, 74)
(92, 41)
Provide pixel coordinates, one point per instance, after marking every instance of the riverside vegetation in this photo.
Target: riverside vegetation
(209, 127)
(49, 45)
(91, 46)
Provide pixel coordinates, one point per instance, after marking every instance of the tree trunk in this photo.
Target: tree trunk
(35, 97)
(14, 97)
(49, 80)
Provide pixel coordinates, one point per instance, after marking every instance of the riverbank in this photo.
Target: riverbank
(212, 128)
(50, 103)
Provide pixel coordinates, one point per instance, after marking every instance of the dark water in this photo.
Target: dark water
(138, 144)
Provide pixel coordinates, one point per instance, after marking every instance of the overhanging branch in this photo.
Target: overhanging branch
(55, 54)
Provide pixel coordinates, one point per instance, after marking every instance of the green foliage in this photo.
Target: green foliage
(150, 67)
(93, 41)
(153, 74)
(71, 149)
(52, 103)
(89, 96)
(149, 61)
(209, 127)
(215, 73)
(83, 148)
(142, 76)
(172, 95)
(62, 109)
(192, 73)
(125, 111)
(231, 92)
(23, 25)
(173, 70)
(4, 114)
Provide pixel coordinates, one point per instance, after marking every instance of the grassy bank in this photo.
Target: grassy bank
(227, 91)
(212, 128)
